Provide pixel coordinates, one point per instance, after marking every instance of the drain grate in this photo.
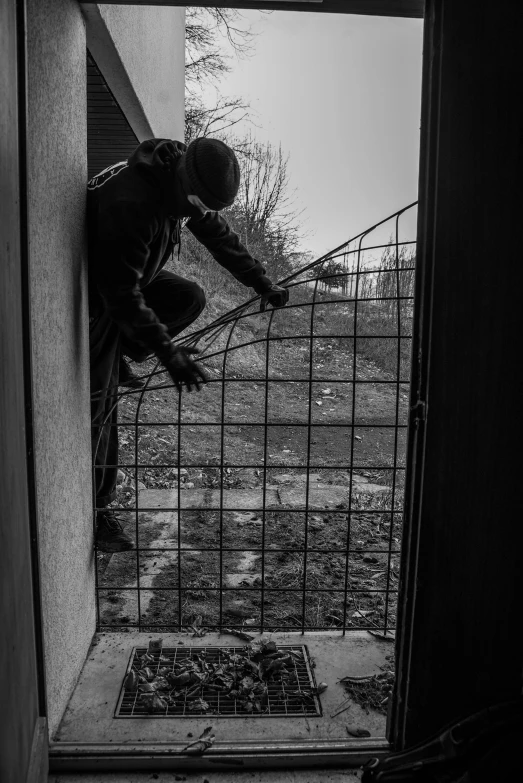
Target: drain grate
(291, 691)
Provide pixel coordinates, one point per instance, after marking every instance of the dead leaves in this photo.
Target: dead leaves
(390, 636)
(153, 702)
(132, 681)
(355, 731)
(240, 634)
(269, 667)
(197, 629)
(242, 677)
(372, 691)
(155, 645)
(180, 680)
(199, 746)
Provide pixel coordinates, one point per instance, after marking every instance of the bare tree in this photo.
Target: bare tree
(212, 36)
(264, 198)
(201, 120)
(206, 58)
(264, 213)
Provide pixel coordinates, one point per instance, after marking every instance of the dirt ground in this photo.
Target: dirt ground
(322, 415)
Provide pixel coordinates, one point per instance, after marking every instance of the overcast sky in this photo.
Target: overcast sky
(342, 95)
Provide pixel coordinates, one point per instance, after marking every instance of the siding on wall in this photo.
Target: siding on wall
(110, 138)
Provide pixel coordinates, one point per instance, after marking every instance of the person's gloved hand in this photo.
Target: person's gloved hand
(275, 296)
(182, 368)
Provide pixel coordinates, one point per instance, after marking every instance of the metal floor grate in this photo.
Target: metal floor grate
(292, 695)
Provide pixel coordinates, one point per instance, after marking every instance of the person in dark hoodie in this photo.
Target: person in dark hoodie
(135, 211)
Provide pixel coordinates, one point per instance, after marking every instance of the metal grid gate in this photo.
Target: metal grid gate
(272, 500)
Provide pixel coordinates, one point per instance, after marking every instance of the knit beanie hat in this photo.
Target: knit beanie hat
(213, 171)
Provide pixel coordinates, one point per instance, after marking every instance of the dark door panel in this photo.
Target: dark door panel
(23, 741)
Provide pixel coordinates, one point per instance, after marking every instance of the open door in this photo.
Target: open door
(23, 736)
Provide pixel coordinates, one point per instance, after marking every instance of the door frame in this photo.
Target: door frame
(25, 737)
(443, 175)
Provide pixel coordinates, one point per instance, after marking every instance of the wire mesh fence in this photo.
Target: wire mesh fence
(272, 500)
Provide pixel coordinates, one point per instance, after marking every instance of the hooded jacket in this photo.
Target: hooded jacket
(133, 229)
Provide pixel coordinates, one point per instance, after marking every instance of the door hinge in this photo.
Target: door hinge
(419, 411)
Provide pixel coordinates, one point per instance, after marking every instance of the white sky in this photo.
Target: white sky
(342, 95)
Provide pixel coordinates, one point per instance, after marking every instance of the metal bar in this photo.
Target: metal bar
(395, 450)
(240, 508)
(231, 465)
(252, 589)
(247, 424)
(264, 490)
(246, 379)
(307, 481)
(179, 526)
(353, 414)
(222, 462)
(136, 514)
(269, 628)
(71, 757)
(251, 549)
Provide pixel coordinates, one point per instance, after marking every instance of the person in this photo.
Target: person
(134, 217)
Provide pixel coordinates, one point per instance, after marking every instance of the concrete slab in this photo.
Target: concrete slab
(208, 498)
(321, 496)
(89, 717)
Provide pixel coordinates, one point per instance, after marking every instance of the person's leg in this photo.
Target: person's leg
(104, 340)
(177, 303)
(104, 356)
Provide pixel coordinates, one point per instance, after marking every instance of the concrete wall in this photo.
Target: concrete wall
(141, 52)
(57, 176)
(149, 45)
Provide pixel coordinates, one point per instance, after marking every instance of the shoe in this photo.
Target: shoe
(126, 376)
(110, 536)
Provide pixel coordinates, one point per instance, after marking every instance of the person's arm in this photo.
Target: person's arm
(224, 245)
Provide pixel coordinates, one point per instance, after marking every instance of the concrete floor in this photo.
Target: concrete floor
(89, 717)
(270, 776)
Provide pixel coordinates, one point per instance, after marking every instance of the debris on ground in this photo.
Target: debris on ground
(372, 692)
(196, 630)
(199, 746)
(246, 637)
(356, 731)
(388, 636)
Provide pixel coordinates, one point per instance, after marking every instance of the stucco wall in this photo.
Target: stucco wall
(151, 44)
(57, 176)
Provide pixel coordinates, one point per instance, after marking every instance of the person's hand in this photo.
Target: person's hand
(275, 296)
(182, 368)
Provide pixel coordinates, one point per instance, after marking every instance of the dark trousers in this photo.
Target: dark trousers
(177, 302)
